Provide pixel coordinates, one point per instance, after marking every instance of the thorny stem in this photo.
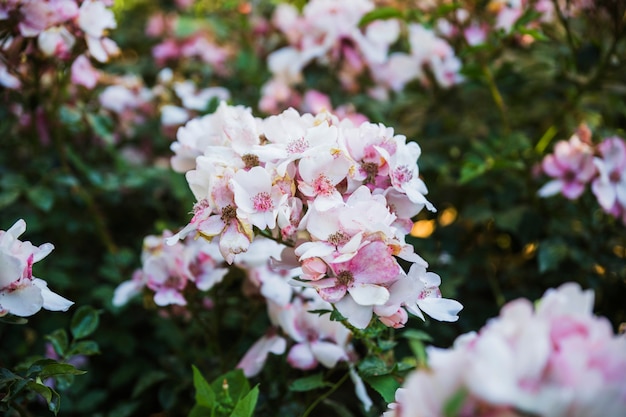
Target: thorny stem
(326, 394)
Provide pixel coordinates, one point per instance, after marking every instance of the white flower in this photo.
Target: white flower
(21, 293)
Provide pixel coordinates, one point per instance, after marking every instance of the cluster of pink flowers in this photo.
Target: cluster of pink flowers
(553, 359)
(53, 28)
(340, 196)
(168, 270)
(313, 340)
(200, 45)
(577, 162)
(22, 294)
(328, 33)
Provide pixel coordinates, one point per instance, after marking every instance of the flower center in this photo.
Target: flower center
(262, 202)
(371, 169)
(323, 186)
(402, 174)
(250, 160)
(297, 146)
(338, 238)
(228, 213)
(345, 278)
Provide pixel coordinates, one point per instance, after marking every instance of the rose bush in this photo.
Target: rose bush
(234, 187)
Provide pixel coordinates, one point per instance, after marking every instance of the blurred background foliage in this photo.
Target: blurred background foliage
(492, 240)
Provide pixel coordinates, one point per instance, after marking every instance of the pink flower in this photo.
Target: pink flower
(610, 185)
(56, 41)
(258, 201)
(571, 166)
(555, 359)
(83, 73)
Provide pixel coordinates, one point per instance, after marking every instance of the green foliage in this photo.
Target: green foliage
(229, 395)
(492, 240)
(45, 377)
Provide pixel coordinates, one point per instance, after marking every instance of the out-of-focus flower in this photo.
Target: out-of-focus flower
(168, 269)
(571, 166)
(83, 73)
(21, 293)
(555, 359)
(609, 186)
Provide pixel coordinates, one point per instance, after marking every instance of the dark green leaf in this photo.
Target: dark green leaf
(10, 319)
(41, 197)
(385, 385)
(309, 383)
(550, 255)
(8, 197)
(59, 341)
(84, 347)
(51, 396)
(55, 369)
(373, 366)
(147, 380)
(84, 322)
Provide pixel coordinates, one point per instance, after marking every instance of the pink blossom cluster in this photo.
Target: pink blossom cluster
(341, 196)
(328, 34)
(309, 339)
(22, 294)
(200, 45)
(577, 162)
(169, 270)
(554, 358)
(53, 28)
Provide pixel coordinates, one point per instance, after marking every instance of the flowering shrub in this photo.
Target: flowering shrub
(234, 186)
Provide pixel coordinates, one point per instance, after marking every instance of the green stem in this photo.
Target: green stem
(497, 97)
(326, 395)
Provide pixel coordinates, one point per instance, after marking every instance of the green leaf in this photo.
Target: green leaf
(8, 197)
(474, 167)
(417, 335)
(84, 347)
(84, 322)
(41, 197)
(236, 381)
(245, 406)
(550, 255)
(320, 312)
(336, 316)
(11, 319)
(385, 385)
(102, 126)
(373, 366)
(55, 369)
(147, 380)
(51, 396)
(200, 411)
(379, 14)
(187, 26)
(205, 396)
(453, 406)
(309, 383)
(59, 341)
